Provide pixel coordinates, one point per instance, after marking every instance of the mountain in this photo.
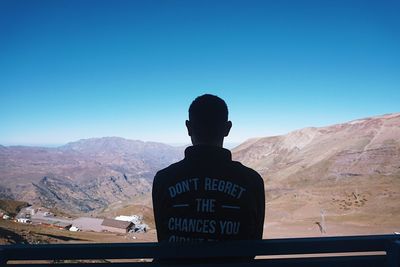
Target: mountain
(83, 176)
(363, 147)
(347, 172)
(339, 179)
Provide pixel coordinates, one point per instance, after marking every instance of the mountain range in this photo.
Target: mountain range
(83, 176)
(346, 173)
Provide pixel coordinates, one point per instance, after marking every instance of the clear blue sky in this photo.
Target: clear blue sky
(78, 69)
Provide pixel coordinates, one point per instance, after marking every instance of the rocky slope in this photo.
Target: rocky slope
(347, 172)
(83, 176)
(362, 147)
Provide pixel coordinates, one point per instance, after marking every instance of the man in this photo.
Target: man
(207, 196)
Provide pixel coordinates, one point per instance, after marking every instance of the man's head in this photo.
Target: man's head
(208, 120)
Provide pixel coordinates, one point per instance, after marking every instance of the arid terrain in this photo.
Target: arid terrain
(86, 176)
(337, 180)
(13, 233)
(342, 179)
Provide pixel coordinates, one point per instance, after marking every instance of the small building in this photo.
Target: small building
(137, 220)
(6, 217)
(139, 228)
(116, 226)
(73, 228)
(23, 220)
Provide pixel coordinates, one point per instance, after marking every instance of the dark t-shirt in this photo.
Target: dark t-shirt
(207, 197)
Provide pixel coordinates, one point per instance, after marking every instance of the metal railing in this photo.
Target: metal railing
(374, 250)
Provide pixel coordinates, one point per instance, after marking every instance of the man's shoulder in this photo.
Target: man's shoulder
(171, 169)
(244, 169)
(247, 172)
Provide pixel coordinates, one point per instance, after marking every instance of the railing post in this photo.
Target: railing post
(393, 254)
(3, 259)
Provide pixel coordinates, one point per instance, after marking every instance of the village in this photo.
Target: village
(42, 216)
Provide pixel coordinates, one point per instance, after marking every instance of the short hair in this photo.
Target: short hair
(208, 114)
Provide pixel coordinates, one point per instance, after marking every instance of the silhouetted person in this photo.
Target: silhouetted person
(207, 196)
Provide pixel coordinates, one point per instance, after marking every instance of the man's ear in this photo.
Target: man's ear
(188, 127)
(228, 127)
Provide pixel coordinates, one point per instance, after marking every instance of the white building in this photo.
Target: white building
(140, 228)
(23, 220)
(74, 229)
(136, 219)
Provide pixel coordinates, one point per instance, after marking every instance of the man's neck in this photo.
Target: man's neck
(218, 143)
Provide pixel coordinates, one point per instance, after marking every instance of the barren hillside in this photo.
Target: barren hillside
(84, 176)
(329, 179)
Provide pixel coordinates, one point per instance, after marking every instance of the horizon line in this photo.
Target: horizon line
(231, 144)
